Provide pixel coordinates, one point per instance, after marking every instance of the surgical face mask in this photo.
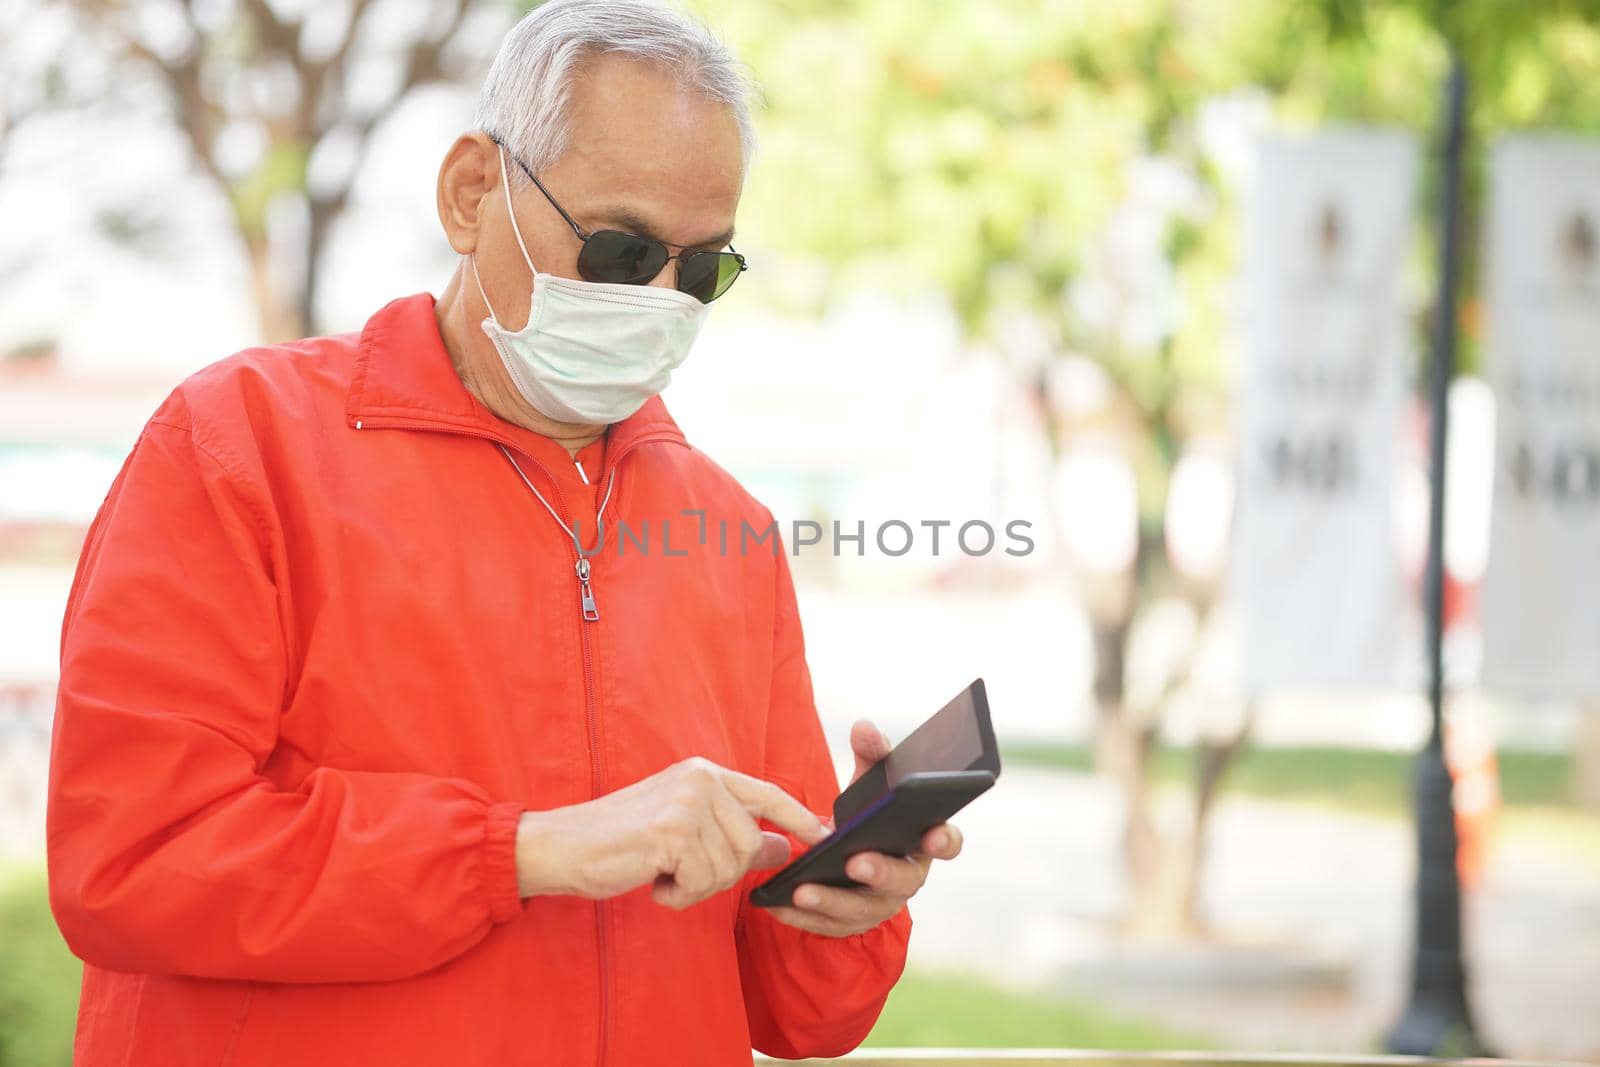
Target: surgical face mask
(591, 353)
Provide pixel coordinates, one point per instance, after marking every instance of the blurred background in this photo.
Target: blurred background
(998, 274)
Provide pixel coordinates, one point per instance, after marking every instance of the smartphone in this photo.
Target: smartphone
(940, 768)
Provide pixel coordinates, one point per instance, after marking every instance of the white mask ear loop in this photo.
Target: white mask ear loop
(472, 260)
(505, 184)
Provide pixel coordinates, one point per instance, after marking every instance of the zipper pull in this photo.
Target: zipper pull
(586, 597)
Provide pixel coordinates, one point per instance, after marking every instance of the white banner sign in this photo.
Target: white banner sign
(1541, 593)
(1315, 571)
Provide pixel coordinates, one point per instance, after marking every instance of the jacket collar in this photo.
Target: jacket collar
(404, 379)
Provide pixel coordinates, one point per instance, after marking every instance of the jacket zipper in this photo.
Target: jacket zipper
(586, 605)
(590, 615)
(592, 715)
(592, 712)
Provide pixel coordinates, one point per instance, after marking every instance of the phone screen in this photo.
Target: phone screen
(951, 740)
(947, 742)
(882, 811)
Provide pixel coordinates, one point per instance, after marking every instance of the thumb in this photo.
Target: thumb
(869, 745)
(774, 851)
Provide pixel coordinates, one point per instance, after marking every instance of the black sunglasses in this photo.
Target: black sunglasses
(627, 259)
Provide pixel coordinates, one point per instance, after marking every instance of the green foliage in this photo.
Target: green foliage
(1532, 62)
(956, 1011)
(980, 150)
(282, 170)
(975, 149)
(1529, 65)
(38, 978)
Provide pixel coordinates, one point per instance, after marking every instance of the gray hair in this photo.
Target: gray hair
(524, 98)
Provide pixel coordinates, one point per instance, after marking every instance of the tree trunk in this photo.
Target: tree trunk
(320, 216)
(277, 313)
(1163, 866)
(1124, 739)
(1123, 752)
(1215, 757)
(1586, 759)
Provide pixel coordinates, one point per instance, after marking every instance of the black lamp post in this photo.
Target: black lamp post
(1437, 1020)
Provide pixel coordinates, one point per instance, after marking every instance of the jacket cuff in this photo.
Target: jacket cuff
(498, 862)
(887, 941)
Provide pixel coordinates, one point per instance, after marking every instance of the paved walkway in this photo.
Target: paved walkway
(1028, 900)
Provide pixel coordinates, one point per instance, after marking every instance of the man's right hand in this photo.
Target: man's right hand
(689, 831)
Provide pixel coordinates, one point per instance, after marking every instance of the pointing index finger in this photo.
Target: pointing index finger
(763, 800)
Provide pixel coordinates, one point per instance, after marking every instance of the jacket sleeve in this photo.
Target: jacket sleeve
(169, 851)
(806, 994)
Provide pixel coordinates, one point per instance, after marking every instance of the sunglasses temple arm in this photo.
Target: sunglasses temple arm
(554, 203)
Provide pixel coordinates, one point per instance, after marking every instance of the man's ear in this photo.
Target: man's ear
(466, 178)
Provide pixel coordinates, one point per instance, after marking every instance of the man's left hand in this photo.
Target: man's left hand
(887, 882)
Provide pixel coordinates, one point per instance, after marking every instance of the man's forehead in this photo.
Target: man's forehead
(646, 155)
(669, 197)
(637, 220)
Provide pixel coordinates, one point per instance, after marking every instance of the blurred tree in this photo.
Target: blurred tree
(1071, 171)
(1530, 66)
(20, 87)
(278, 103)
(34, 80)
(1040, 164)
(13, 112)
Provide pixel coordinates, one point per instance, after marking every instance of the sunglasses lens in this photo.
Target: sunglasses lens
(707, 275)
(620, 258)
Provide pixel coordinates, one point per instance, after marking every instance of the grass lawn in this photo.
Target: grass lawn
(1350, 778)
(38, 977)
(958, 1011)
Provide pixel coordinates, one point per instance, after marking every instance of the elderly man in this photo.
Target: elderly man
(375, 743)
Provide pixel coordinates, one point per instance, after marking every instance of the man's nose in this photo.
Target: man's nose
(668, 278)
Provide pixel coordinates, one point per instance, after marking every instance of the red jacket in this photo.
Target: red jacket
(324, 646)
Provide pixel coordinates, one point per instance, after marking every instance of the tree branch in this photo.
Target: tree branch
(422, 66)
(196, 114)
(11, 116)
(276, 35)
(317, 74)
